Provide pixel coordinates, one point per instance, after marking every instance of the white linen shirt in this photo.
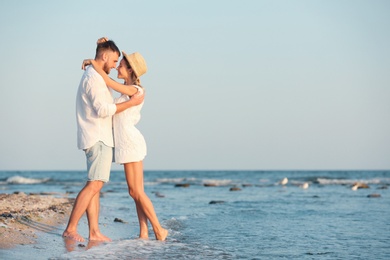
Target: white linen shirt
(94, 110)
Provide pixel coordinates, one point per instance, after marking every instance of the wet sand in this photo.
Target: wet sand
(23, 216)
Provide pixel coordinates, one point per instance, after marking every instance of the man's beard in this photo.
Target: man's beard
(106, 69)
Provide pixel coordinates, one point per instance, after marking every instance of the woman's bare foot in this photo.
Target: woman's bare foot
(73, 235)
(162, 235)
(99, 237)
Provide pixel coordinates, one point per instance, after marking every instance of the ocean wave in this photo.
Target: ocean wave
(150, 183)
(194, 181)
(175, 224)
(23, 180)
(175, 180)
(215, 182)
(325, 181)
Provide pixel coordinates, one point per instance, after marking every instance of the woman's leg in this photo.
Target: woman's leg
(143, 222)
(142, 219)
(135, 181)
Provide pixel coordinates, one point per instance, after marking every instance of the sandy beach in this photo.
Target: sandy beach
(23, 215)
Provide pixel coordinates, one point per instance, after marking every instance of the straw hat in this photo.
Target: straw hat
(137, 63)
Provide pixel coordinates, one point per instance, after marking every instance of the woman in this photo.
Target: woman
(130, 146)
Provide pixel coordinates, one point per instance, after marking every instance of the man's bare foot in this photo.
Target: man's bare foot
(144, 235)
(73, 235)
(92, 243)
(99, 237)
(70, 244)
(162, 235)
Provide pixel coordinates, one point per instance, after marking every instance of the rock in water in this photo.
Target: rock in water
(304, 185)
(284, 181)
(216, 202)
(119, 220)
(184, 185)
(374, 195)
(359, 185)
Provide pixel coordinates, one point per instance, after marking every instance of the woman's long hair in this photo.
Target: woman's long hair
(135, 80)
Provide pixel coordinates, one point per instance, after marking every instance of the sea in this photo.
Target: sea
(224, 215)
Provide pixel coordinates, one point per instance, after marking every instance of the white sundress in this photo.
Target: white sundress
(130, 145)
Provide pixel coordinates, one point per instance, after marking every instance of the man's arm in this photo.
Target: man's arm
(134, 101)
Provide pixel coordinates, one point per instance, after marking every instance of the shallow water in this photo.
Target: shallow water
(263, 220)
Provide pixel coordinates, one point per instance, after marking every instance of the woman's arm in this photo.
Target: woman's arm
(121, 88)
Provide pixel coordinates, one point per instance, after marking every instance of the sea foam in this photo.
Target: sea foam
(24, 180)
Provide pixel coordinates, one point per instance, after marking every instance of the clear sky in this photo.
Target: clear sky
(258, 85)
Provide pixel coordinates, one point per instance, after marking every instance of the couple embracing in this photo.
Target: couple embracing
(103, 124)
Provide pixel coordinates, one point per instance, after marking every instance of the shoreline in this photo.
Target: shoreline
(23, 215)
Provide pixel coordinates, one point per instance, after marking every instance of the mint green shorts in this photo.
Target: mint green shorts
(99, 158)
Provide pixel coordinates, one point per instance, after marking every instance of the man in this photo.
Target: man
(94, 111)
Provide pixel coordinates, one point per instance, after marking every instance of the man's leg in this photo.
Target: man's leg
(93, 220)
(99, 158)
(81, 204)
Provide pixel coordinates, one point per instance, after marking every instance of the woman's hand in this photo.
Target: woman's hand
(86, 62)
(137, 98)
(101, 40)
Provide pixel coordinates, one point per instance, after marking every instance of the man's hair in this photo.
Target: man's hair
(105, 46)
